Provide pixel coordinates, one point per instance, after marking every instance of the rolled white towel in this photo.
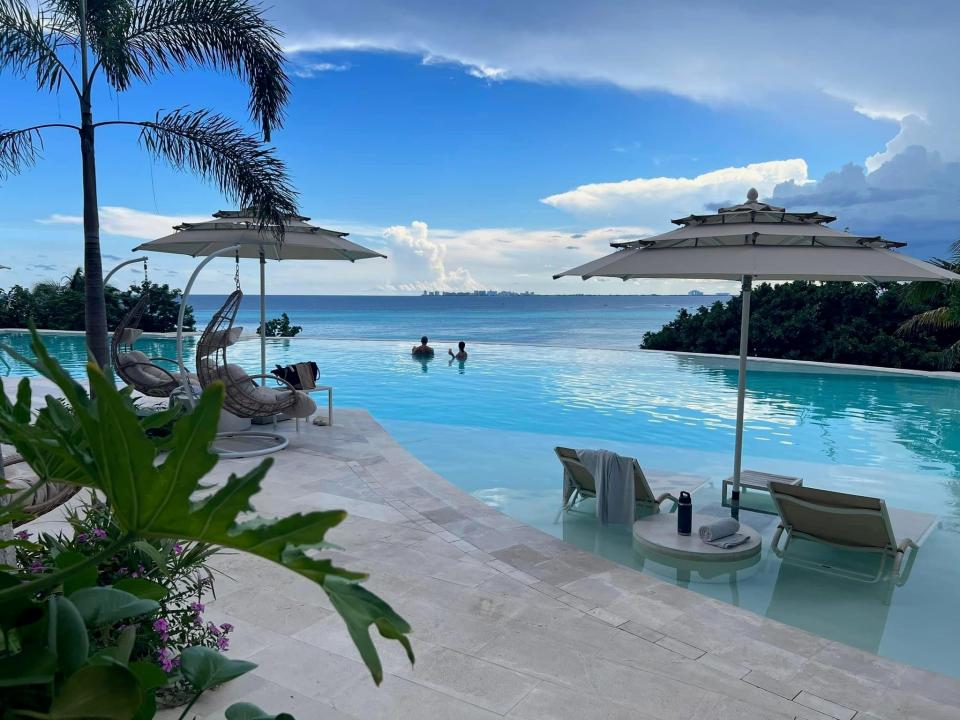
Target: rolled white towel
(719, 529)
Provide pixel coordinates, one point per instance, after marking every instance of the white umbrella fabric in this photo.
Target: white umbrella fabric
(237, 232)
(759, 241)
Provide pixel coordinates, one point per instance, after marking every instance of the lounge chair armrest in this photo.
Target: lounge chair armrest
(667, 496)
(174, 378)
(906, 545)
(12, 459)
(775, 541)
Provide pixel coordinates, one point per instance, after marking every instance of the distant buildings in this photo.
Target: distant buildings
(696, 293)
(480, 293)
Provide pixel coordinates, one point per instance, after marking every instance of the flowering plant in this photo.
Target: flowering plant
(172, 573)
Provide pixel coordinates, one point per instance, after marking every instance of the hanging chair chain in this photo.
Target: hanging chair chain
(236, 271)
(146, 279)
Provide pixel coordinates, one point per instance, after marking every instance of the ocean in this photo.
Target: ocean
(587, 321)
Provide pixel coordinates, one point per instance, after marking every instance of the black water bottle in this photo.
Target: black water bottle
(684, 513)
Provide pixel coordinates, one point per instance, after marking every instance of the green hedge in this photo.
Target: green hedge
(828, 322)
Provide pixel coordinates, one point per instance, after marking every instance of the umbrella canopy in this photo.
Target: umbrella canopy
(301, 241)
(239, 232)
(759, 241)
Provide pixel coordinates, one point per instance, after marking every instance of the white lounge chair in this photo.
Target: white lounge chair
(585, 486)
(850, 522)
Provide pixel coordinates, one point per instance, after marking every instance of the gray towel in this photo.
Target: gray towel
(719, 529)
(730, 541)
(613, 475)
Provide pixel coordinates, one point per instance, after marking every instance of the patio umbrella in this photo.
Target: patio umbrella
(236, 232)
(759, 241)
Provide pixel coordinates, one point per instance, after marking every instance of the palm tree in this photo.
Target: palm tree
(73, 43)
(945, 317)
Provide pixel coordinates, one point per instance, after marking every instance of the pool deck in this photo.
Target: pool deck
(511, 622)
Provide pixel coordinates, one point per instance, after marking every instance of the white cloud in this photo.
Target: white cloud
(127, 222)
(720, 185)
(312, 70)
(419, 263)
(885, 57)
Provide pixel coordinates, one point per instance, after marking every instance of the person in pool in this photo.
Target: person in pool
(461, 355)
(423, 349)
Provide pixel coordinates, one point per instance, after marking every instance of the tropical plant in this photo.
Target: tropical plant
(826, 322)
(942, 318)
(151, 487)
(75, 42)
(172, 573)
(59, 306)
(280, 327)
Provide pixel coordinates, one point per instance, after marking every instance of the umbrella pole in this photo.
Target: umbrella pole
(741, 391)
(263, 318)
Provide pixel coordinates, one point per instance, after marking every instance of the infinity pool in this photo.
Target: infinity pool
(490, 425)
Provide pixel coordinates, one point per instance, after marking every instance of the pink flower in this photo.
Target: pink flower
(177, 548)
(213, 629)
(36, 567)
(162, 628)
(99, 533)
(223, 643)
(23, 535)
(165, 658)
(197, 607)
(226, 627)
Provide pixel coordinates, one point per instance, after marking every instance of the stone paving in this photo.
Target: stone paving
(511, 622)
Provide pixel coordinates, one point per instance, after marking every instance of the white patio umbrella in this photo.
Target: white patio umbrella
(759, 241)
(236, 232)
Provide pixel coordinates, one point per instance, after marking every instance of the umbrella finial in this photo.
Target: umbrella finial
(752, 195)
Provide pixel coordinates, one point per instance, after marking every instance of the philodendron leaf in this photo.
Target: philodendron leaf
(101, 606)
(85, 577)
(35, 666)
(104, 692)
(205, 668)
(142, 588)
(155, 500)
(249, 711)
(67, 634)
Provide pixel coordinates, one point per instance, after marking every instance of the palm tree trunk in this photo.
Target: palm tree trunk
(95, 305)
(95, 302)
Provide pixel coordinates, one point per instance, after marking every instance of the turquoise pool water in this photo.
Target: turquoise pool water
(490, 427)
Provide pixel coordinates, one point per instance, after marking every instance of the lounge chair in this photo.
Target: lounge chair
(849, 522)
(46, 496)
(585, 486)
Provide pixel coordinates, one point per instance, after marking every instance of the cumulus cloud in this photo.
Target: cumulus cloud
(679, 194)
(127, 222)
(420, 263)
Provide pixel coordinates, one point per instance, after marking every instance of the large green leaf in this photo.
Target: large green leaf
(85, 577)
(35, 666)
(142, 588)
(67, 634)
(101, 606)
(249, 711)
(111, 451)
(205, 668)
(103, 692)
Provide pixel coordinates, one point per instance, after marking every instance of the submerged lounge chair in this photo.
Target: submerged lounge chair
(585, 486)
(849, 522)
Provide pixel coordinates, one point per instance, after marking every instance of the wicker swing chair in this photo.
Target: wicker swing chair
(244, 398)
(134, 367)
(46, 497)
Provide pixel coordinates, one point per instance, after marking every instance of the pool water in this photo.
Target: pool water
(490, 425)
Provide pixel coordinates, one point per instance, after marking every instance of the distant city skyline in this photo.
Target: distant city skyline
(487, 146)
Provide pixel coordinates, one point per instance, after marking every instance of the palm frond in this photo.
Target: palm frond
(941, 318)
(18, 149)
(28, 44)
(230, 35)
(950, 356)
(216, 148)
(919, 293)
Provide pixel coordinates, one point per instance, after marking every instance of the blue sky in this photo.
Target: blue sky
(484, 145)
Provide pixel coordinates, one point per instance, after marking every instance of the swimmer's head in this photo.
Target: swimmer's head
(424, 340)
(461, 344)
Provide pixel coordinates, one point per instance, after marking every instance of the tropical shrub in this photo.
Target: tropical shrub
(47, 667)
(172, 573)
(827, 322)
(280, 327)
(59, 306)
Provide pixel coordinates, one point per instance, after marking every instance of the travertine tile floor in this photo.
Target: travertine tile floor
(510, 622)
